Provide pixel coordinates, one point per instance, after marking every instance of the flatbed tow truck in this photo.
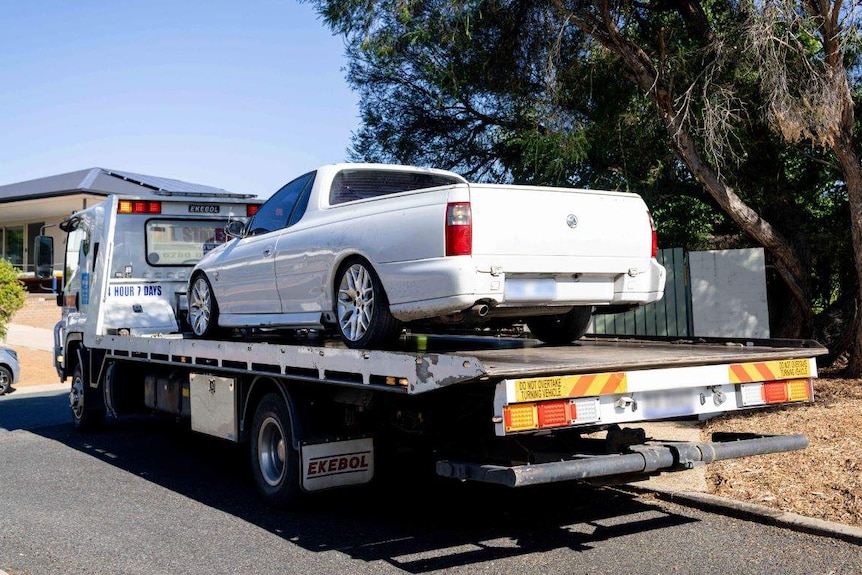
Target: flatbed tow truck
(316, 415)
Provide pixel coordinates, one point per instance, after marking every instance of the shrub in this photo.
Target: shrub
(11, 294)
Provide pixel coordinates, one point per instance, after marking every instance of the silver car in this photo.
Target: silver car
(9, 369)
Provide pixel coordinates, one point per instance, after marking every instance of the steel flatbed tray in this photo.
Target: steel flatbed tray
(604, 354)
(425, 363)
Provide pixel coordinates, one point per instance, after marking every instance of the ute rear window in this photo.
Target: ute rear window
(181, 243)
(350, 185)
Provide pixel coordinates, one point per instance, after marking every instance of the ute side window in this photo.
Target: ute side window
(350, 185)
(302, 203)
(273, 215)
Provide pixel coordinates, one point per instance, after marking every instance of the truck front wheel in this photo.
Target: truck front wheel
(274, 462)
(5, 379)
(86, 413)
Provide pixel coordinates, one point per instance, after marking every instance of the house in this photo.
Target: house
(28, 208)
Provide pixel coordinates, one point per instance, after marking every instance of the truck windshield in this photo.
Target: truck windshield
(181, 242)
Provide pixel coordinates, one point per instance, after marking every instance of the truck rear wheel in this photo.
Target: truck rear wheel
(274, 462)
(561, 328)
(87, 413)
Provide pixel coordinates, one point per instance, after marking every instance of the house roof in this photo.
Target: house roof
(102, 182)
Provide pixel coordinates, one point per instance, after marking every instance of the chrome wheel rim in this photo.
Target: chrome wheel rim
(200, 306)
(355, 302)
(272, 451)
(76, 397)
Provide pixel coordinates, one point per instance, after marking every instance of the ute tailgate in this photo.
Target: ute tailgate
(525, 229)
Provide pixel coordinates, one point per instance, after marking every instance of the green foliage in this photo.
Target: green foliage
(11, 294)
(506, 91)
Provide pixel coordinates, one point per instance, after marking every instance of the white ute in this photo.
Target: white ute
(370, 247)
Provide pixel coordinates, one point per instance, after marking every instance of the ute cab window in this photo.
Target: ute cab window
(351, 185)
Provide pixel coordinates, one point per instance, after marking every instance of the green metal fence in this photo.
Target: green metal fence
(670, 316)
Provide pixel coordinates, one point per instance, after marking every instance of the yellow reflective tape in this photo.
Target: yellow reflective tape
(769, 370)
(565, 386)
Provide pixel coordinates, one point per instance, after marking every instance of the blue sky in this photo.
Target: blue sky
(240, 95)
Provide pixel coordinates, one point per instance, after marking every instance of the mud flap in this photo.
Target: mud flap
(337, 463)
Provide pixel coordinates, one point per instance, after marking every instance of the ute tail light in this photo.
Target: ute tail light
(251, 209)
(654, 248)
(139, 207)
(459, 229)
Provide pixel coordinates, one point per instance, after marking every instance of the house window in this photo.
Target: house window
(13, 245)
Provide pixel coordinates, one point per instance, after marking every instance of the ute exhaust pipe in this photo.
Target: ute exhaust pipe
(480, 309)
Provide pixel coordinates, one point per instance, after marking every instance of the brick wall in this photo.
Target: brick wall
(40, 310)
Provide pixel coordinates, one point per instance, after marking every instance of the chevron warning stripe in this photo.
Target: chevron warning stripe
(565, 386)
(769, 370)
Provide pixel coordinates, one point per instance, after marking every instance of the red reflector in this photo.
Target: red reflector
(459, 229)
(775, 392)
(553, 413)
(251, 209)
(147, 208)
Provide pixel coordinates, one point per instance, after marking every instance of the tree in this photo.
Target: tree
(665, 96)
(802, 48)
(11, 294)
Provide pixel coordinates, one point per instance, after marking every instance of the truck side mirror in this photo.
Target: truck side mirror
(43, 247)
(234, 229)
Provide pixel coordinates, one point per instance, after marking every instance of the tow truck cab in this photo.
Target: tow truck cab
(127, 262)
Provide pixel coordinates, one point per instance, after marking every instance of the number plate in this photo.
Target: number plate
(530, 289)
(668, 403)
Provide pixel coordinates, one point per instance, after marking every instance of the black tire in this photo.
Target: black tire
(561, 328)
(87, 411)
(203, 308)
(274, 462)
(362, 308)
(5, 379)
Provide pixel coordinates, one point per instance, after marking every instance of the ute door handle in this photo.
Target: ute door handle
(267, 252)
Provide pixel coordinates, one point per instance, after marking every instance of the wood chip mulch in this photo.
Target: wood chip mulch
(823, 481)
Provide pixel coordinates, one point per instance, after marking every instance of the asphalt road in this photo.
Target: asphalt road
(146, 496)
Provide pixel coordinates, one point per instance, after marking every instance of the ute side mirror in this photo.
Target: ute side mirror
(234, 229)
(43, 247)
